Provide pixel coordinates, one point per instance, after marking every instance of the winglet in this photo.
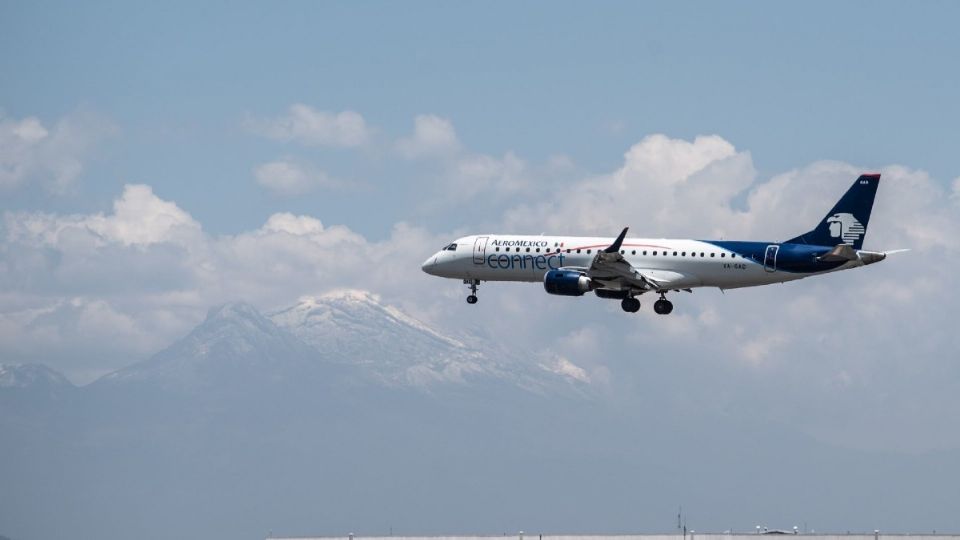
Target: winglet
(615, 246)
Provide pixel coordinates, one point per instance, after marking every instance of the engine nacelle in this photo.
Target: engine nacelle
(566, 283)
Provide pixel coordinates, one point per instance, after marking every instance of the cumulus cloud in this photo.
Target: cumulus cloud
(92, 332)
(462, 177)
(139, 218)
(660, 180)
(308, 126)
(477, 174)
(150, 265)
(289, 176)
(872, 328)
(53, 156)
(432, 136)
(828, 354)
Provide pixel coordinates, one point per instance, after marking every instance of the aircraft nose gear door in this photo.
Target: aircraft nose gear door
(770, 259)
(479, 248)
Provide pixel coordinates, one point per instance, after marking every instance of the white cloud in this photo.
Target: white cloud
(477, 174)
(78, 328)
(52, 156)
(432, 136)
(564, 367)
(139, 218)
(477, 179)
(305, 125)
(810, 352)
(148, 267)
(291, 177)
(297, 225)
(660, 181)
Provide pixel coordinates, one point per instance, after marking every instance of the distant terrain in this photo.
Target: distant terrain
(340, 414)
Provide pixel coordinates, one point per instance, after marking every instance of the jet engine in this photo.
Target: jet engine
(566, 283)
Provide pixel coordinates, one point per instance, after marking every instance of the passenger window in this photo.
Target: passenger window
(702, 254)
(634, 252)
(644, 252)
(654, 252)
(722, 255)
(568, 250)
(674, 253)
(622, 252)
(498, 249)
(589, 251)
(518, 250)
(684, 254)
(733, 255)
(578, 251)
(713, 254)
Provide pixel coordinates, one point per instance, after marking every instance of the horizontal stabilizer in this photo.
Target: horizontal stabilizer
(842, 252)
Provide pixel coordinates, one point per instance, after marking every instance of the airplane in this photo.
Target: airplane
(626, 268)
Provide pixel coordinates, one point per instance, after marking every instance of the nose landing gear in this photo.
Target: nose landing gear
(663, 306)
(473, 284)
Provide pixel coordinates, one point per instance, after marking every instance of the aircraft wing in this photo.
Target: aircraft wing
(611, 271)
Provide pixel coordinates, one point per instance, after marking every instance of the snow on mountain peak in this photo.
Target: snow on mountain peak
(30, 375)
(235, 311)
(344, 331)
(396, 348)
(235, 338)
(350, 307)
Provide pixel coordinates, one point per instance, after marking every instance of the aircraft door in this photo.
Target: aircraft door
(479, 249)
(770, 258)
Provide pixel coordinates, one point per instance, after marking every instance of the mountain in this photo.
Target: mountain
(344, 337)
(397, 350)
(32, 377)
(306, 410)
(234, 343)
(341, 413)
(29, 393)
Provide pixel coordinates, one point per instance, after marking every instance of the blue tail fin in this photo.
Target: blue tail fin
(847, 222)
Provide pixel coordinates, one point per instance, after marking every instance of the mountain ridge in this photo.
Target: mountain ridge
(345, 333)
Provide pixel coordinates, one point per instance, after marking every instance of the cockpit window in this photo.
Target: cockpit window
(451, 247)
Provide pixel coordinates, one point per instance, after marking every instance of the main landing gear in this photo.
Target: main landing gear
(630, 304)
(663, 306)
(473, 283)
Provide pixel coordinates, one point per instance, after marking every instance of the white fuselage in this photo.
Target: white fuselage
(682, 263)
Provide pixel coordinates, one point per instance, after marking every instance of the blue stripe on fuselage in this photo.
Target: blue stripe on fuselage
(795, 258)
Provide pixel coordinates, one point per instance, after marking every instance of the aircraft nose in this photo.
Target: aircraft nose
(429, 265)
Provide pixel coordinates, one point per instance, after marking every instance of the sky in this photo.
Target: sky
(159, 160)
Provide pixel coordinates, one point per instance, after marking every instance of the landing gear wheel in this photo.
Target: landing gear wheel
(663, 306)
(473, 284)
(630, 305)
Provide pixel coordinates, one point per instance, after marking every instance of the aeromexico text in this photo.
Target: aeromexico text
(525, 260)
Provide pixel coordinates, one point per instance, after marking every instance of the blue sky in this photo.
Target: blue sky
(158, 160)
(868, 83)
